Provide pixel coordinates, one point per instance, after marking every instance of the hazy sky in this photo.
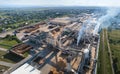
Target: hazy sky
(60, 2)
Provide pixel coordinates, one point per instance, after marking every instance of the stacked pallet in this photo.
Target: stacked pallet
(20, 49)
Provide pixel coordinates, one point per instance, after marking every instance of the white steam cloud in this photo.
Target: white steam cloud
(104, 21)
(81, 32)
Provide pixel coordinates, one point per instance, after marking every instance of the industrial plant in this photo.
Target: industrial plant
(65, 45)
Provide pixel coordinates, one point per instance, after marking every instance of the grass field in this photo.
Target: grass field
(114, 40)
(114, 35)
(8, 42)
(104, 66)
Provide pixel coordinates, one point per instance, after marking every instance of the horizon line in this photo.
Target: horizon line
(27, 6)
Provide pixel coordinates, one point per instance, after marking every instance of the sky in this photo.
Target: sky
(114, 3)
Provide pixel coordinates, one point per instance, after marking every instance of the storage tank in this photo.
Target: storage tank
(87, 57)
(86, 53)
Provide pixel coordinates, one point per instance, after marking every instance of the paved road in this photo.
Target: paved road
(6, 64)
(3, 49)
(98, 45)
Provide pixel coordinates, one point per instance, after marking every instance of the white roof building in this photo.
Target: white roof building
(26, 69)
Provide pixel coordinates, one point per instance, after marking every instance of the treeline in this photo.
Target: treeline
(12, 37)
(15, 18)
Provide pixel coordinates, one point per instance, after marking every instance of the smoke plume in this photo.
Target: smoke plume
(105, 20)
(81, 31)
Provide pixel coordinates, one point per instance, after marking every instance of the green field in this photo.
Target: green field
(8, 42)
(114, 35)
(104, 66)
(114, 40)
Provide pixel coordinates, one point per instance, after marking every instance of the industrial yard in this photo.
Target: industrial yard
(66, 45)
(73, 41)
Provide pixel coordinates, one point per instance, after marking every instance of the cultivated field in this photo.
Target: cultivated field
(104, 65)
(114, 40)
